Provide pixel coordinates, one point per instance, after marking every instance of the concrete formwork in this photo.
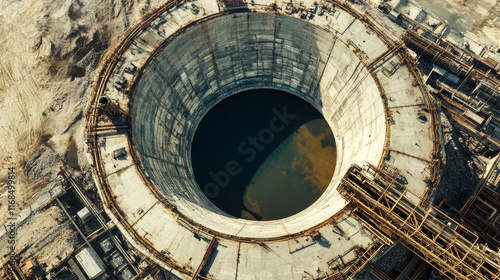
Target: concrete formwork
(188, 62)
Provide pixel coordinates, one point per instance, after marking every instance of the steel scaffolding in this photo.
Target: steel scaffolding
(482, 213)
(453, 250)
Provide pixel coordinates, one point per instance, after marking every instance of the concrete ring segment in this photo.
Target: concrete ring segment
(161, 78)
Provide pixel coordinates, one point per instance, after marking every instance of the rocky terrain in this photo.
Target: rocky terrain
(49, 51)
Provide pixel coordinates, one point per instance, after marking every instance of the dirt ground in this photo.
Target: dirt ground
(49, 52)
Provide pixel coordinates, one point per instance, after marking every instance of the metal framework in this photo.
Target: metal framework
(444, 56)
(456, 114)
(100, 219)
(363, 259)
(482, 213)
(453, 250)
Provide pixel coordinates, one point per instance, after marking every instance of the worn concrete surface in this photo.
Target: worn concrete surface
(321, 60)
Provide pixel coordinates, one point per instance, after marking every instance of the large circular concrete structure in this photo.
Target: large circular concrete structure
(169, 70)
(228, 54)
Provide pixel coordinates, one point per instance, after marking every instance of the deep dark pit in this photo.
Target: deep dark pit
(263, 155)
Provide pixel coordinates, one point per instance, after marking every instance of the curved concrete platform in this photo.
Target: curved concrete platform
(171, 68)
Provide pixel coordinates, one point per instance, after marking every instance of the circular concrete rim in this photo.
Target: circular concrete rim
(297, 218)
(198, 121)
(151, 245)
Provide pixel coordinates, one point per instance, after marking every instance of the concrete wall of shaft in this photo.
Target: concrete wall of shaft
(226, 55)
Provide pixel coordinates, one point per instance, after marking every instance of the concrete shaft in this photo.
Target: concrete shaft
(226, 55)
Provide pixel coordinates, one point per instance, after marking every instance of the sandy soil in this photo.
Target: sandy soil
(48, 55)
(49, 51)
(47, 236)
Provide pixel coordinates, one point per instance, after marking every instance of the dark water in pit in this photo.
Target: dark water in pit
(263, 155)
